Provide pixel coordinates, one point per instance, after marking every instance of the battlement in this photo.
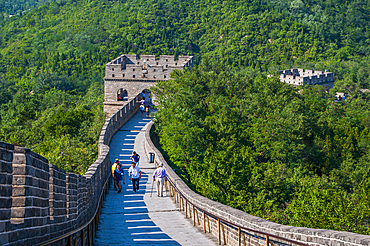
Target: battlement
(299, 76)
(132, 75)
(147, 68)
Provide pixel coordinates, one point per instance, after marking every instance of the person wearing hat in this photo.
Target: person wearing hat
(119, 176)
(114, 166)
(159, 176)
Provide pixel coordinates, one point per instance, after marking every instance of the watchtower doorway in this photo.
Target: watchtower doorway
(122, 95)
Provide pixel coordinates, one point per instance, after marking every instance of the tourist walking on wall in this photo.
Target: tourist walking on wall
(135, 158)
(159, 176)
(134, 174)
(116, 162)
(142, 109)
(119, 176)
(147, 111)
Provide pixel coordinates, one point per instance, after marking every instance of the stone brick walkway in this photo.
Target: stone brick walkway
(137, 218)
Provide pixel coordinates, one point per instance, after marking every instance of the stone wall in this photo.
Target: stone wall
(39, 201)
(256, 228)
(147, 68)
(298, 76)
(111, 88)
(126, 72)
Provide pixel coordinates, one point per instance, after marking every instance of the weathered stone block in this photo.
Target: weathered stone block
(5, 213)
(3, 178)
(4, 226)
(18, 212)
(4, 238)
(5, 167)
(5, 202)
(5, 190)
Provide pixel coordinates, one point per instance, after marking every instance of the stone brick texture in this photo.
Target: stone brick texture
(299, 76)
(127, 73)
(253, 229)
(39, 201)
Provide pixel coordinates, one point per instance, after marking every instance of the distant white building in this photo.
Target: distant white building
(299, 76)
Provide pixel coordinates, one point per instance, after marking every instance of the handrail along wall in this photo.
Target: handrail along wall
(234, 227)
(42, 204)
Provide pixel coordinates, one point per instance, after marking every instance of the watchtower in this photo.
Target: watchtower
(126, 76)
(299, 76)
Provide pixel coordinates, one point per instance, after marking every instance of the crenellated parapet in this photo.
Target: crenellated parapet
(39, 201)
(299, 76)
(128, 75)
(147, 68)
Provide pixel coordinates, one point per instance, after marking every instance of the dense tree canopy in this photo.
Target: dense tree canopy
(293, 157)
(287, 154)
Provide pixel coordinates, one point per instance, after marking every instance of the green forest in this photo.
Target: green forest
(290, 155)
(12, 7)
(287, 154)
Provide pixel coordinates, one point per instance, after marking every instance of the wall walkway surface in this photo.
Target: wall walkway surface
(234, 227)
(142, 218)
(39, 201)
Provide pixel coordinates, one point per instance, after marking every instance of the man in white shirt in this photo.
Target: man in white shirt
(134, 173)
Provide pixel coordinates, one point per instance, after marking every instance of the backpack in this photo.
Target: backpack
(141, 107)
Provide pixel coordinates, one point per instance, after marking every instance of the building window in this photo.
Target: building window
(138, 63)
(147, 59)
(153, 70)
(153, 76)
(176, 64)
(133, 69)
(164, 76)
(133, 76)
(166, 65)
(112, 75)
(123, 75)
(112, 69)
(166, 60)
(157, 63)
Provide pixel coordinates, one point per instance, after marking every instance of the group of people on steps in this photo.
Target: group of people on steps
(134, 174)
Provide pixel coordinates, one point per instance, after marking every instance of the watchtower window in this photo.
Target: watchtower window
(133, 76)
(112, 75)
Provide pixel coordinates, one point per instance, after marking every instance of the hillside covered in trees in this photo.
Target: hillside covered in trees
(290, 155)
(12, 7)
(297, 157)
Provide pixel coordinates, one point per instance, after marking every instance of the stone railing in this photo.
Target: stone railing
(234, 227)
(40, 202)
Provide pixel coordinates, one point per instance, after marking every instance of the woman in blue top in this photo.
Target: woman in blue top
(120, 177)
